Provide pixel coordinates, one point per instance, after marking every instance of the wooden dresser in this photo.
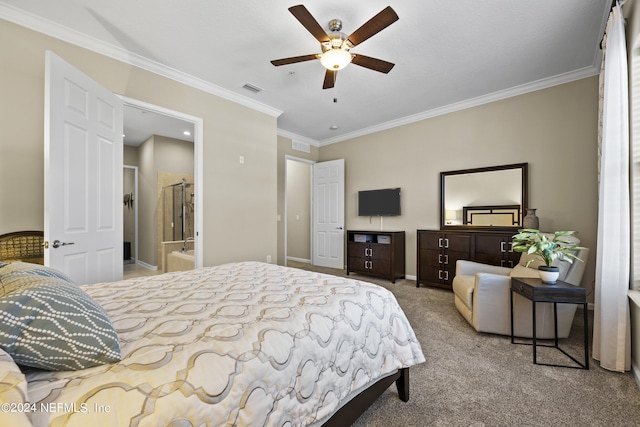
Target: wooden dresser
(376, 253)
(438, 251)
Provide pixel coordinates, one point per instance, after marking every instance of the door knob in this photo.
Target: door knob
(58, 243)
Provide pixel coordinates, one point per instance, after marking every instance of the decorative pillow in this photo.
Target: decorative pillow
(13, 390)
(50, 324)
(34, 269)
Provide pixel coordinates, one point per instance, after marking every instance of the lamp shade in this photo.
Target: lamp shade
(335, 59)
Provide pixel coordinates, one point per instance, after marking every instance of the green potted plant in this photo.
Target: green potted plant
(533, 242)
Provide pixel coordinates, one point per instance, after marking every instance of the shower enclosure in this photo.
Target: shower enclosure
(178, 212)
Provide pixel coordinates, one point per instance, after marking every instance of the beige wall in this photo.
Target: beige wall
(554, 130)
(298, 210)
(158, 155)
(240, 200)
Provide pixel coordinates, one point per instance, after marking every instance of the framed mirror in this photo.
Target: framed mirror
(484, 198)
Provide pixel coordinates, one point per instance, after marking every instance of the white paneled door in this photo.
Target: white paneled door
(83, 175)
(328, 214)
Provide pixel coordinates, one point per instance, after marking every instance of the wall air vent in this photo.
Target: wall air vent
(301, 146)
(252, 88)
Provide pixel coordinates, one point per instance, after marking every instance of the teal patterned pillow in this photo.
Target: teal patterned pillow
(50, 324)
(34, 269)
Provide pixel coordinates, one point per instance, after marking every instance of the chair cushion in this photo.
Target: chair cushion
(463, 288)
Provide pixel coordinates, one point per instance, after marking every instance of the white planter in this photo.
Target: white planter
(549, 275)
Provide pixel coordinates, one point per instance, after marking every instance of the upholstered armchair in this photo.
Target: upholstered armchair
(482, 297)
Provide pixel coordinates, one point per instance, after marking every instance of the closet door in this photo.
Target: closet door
(328, 214)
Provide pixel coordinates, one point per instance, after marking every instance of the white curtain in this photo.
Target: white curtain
(611, 330)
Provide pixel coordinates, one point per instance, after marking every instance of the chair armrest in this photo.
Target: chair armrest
(470, 268)
(491, 307)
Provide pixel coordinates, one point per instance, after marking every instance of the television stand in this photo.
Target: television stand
(376, 253)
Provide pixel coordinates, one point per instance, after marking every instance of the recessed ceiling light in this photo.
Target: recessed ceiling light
(186, 132)
(334, 127)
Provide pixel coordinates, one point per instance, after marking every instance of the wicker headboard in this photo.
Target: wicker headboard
(22, 246)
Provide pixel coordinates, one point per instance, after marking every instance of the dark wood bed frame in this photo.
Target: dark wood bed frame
(350, 412)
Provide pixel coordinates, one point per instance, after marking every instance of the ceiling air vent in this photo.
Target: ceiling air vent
(252, 88)
(301, 146)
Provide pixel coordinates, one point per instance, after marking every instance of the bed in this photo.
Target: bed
(238, 344)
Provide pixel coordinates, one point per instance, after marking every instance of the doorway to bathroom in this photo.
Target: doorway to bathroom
(163, 148)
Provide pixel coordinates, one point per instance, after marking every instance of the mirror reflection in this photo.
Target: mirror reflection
(484, 197)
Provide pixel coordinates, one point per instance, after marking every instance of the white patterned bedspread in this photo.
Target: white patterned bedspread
(238, 344)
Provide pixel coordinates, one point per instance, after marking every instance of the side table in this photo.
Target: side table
(560, 293)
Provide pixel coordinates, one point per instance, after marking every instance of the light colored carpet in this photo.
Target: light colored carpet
(474, 379)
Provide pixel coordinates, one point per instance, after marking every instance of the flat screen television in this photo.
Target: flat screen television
(385, 202)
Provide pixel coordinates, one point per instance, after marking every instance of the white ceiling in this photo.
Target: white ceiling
(448, 54)
(141, 123)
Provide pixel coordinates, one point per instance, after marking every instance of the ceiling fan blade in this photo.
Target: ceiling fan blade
(309, 22)
(372, 63)
(373, 26)
(294, 59)
(329, 79)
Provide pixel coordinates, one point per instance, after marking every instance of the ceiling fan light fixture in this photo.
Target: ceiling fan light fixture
(335, 59)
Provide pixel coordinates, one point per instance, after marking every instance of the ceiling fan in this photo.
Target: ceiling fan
(336, 45)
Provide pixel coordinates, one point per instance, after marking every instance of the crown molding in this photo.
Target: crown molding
(68, 35)
(469, 103)
(76, 38)
(295, 137)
